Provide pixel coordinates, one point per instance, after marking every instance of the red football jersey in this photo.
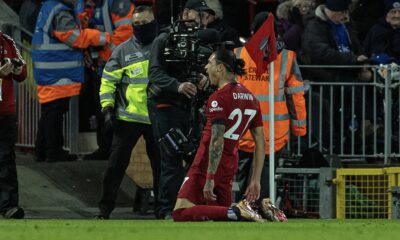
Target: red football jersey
(237, 107)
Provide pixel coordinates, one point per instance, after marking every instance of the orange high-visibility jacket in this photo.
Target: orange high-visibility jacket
(114, 17)
(290, 106)
(56, 51)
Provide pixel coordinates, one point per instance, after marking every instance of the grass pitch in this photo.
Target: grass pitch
(149, 229)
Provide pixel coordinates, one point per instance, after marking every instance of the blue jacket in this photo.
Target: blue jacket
(54, 62)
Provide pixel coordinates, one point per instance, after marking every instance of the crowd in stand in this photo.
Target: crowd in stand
(377, 19)
(109, 42)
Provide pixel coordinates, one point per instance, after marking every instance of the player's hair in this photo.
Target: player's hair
(229, 60)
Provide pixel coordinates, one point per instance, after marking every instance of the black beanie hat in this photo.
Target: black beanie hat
(391, 4)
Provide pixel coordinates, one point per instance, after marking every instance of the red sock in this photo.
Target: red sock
(200, 213)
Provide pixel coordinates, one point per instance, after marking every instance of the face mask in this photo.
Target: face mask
(145, 33)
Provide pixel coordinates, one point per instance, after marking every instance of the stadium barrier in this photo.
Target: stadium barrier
(353, 194)
(396, 201)
(366, 193)
(352, 119)
(357, 122)
(306, 192)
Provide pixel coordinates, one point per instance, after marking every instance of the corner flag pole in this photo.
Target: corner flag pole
(271, 134)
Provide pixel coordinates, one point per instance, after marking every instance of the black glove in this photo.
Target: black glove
(295, 16)
(109, 118)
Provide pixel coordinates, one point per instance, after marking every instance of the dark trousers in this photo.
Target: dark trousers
(126, 135)
(8, 171)
(104, 135)
(172, 170)
(49, 138)
(244, 172)
(90, 102)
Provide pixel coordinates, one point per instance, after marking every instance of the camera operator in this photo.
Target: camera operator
(170, 95)
(209, 14)
(11, 67)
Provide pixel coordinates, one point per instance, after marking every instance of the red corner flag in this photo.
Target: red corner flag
(262, 45)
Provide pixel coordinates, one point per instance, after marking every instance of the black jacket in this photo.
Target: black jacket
(165, 77)
(366, 14)
(320, 47)
(382, 38)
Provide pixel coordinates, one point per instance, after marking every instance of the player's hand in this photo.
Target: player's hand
(253, 191)
(208, 191)
(6, 69)
(188, 89)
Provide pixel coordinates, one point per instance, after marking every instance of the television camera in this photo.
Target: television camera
(190, 47)
(14, 61)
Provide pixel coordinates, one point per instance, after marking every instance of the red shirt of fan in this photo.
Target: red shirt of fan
(236, 107)
(8, 49)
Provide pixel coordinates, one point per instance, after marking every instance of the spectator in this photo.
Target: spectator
(227, 32)
(58, 71)
(329, 39)
(206, 192)
(115, 18)
(384, 36)
(292, 16)
(290, 108)
(124, 101)
(9, 71)
(365, 14)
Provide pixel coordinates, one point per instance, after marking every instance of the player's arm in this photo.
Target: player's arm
(215, 153)
(253, 190)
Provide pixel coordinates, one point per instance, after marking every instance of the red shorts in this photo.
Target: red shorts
(192, 189)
